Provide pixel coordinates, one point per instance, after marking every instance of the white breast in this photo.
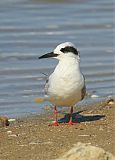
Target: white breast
(65, 83)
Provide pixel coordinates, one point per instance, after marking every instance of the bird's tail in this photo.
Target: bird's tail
(39, 100)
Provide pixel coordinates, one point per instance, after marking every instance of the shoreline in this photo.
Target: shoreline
(31, 137)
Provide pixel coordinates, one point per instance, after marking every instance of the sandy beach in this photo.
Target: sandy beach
(31, 138)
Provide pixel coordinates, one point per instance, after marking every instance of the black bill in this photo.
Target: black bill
(48, 55)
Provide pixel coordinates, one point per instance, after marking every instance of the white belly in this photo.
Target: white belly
(66, 101)
(65, 83)
(65, 91)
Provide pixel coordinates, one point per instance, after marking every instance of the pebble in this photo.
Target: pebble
(100, 128)
(4, 121)
(84, 135)
(9, 132)
(11, 120)
(12, 135)
(22, 145)
(110, 103)
(94, 96)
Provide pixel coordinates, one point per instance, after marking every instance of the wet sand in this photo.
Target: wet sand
(31, 138)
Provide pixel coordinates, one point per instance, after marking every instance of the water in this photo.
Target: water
(29, 29)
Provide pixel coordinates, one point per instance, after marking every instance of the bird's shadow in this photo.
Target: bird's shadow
(77, 117)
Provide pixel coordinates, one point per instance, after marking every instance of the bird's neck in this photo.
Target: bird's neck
(69, 61)
(69, 64)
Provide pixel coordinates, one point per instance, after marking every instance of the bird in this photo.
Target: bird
(66, 85)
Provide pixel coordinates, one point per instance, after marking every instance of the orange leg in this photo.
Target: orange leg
(56, 119)
(71, 121)
(55, 123)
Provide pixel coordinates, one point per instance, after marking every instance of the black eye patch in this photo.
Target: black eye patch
(69, 49)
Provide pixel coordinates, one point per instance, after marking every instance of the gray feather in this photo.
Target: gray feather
(46, 86)
(83, 91)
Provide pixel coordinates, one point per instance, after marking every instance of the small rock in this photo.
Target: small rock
(111, 101)
(3, 121)
(12, 135)
(83, 151)
(84, 135)
(11, 120)
(37, 142)
(22, 145)
(9, 132)
(94, 96)
(101, 128)
(48, 142)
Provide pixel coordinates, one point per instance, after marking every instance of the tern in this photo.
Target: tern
(66, 85)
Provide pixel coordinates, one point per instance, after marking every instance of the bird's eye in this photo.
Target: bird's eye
(69, 49)
(62, 49)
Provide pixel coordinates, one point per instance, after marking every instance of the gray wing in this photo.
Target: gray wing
(83, 91)
(46, 86)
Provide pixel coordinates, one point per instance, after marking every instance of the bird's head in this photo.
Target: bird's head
(63, 50)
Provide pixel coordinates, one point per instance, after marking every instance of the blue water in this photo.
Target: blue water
(29, 29)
